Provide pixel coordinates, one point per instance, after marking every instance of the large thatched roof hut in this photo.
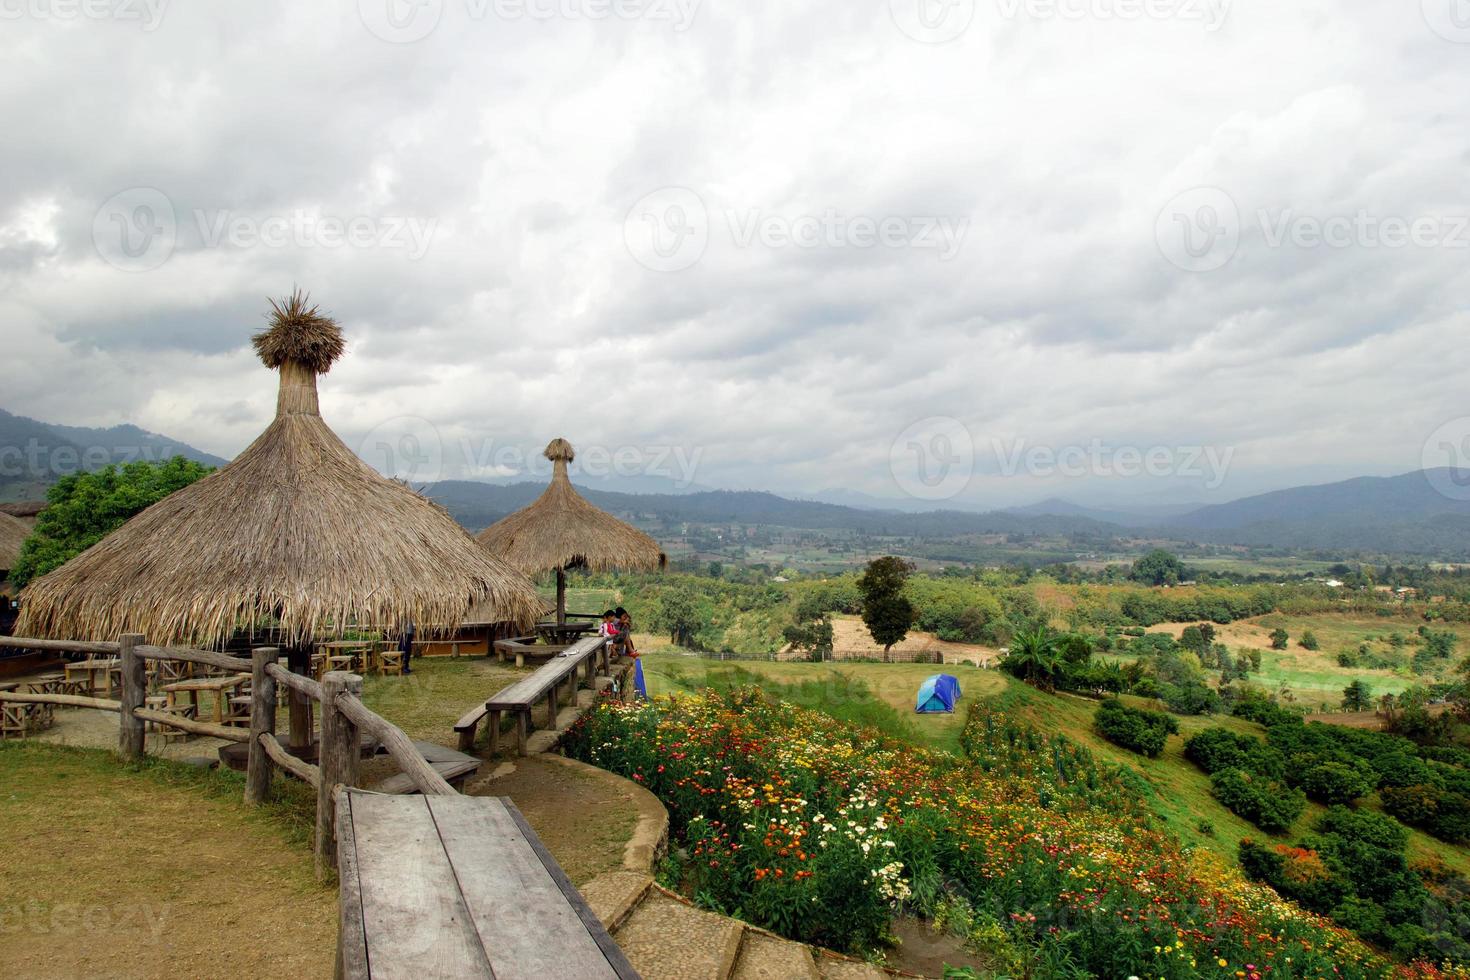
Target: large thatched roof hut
(561, 530)
(296, 532)
(12, 535)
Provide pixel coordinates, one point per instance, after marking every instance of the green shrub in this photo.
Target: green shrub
(1219, 748)
(1337, 782)
(1135, 729)
(1266, 803)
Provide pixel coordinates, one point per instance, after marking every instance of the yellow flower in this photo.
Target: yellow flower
(1223, 963)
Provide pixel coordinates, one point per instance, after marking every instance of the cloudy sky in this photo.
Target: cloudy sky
(966, 251)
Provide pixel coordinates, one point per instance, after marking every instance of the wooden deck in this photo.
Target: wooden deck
(459, 886)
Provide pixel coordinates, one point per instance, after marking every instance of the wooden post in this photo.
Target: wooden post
(340, 754)
(299, 660)
(262, 721)
(561, 597)
(134, 690)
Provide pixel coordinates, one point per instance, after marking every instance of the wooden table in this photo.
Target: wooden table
(564, 634)
(459, 886)
(349, 648)
(90, 669)
(219, 685)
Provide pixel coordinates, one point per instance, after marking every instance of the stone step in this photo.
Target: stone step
(614, 895)
(667, 940)
(833, 968)
(765, 957)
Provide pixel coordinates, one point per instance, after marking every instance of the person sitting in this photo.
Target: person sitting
(625, 629)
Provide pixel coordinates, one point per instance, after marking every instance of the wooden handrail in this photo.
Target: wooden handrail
(300, 768)
(207, 728)
(66, 700)
(297, 682)
(60, 646)
(206, 657)
(398, 745)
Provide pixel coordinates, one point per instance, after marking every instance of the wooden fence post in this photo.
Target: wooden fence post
(262, 721)
(341, 752)
(134, 690)
(299, 660)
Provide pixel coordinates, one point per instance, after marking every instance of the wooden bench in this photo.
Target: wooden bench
(519, 698)
(455, 767)
(459, 886)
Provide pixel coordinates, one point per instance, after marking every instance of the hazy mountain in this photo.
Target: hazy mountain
(1416, 496)
(34, 455)
(1058, 507)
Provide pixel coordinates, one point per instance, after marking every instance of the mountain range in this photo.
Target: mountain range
(34, 455)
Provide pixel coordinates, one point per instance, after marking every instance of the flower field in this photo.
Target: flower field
(822, 831)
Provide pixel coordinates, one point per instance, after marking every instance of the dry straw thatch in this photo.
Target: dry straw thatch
(296, 531)
(562, 530)
(12, 535)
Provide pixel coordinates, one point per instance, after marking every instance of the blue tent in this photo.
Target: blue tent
(938, 693)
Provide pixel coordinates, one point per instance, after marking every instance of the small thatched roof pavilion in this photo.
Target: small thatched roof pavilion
(561, 530)
(297, 531)
(12, 535)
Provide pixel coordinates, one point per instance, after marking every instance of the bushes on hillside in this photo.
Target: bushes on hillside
(1338, 782)
(1135, 729)
(1219, 748)
(1268, 804)
(1442, 813)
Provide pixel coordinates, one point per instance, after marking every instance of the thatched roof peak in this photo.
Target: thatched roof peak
(562, 530)
(559, 451)
(299, 332)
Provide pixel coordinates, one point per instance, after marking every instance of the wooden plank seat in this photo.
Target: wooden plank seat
(459, 886)
(547, 681)
(438, 648)
(524, 648)
(455, 767)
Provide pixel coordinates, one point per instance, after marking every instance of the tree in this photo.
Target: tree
(1309, 641)
(1158, 567)
(1035, 658)
(887, 613)
(814, 637)
(83, 508)
(678, 612)
(1357, 696)
(1279, 639)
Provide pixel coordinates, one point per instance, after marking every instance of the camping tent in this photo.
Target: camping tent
(938, 693)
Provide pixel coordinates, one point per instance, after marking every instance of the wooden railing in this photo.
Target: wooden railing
(344, 719)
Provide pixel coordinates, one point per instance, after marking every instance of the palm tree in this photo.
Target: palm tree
(1034, 658)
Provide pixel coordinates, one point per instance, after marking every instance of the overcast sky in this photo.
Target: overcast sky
(917, 247)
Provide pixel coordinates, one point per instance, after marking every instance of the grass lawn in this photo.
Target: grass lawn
(427, 702)
(157, 869)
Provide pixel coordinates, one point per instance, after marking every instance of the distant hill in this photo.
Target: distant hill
(1407, 514)
(478, 505)
(34, 455)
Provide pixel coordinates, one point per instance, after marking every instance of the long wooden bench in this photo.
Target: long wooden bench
(459, 886)
(519, 698)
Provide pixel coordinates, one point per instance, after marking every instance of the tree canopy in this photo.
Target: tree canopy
(83, 508)
(887, 612)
